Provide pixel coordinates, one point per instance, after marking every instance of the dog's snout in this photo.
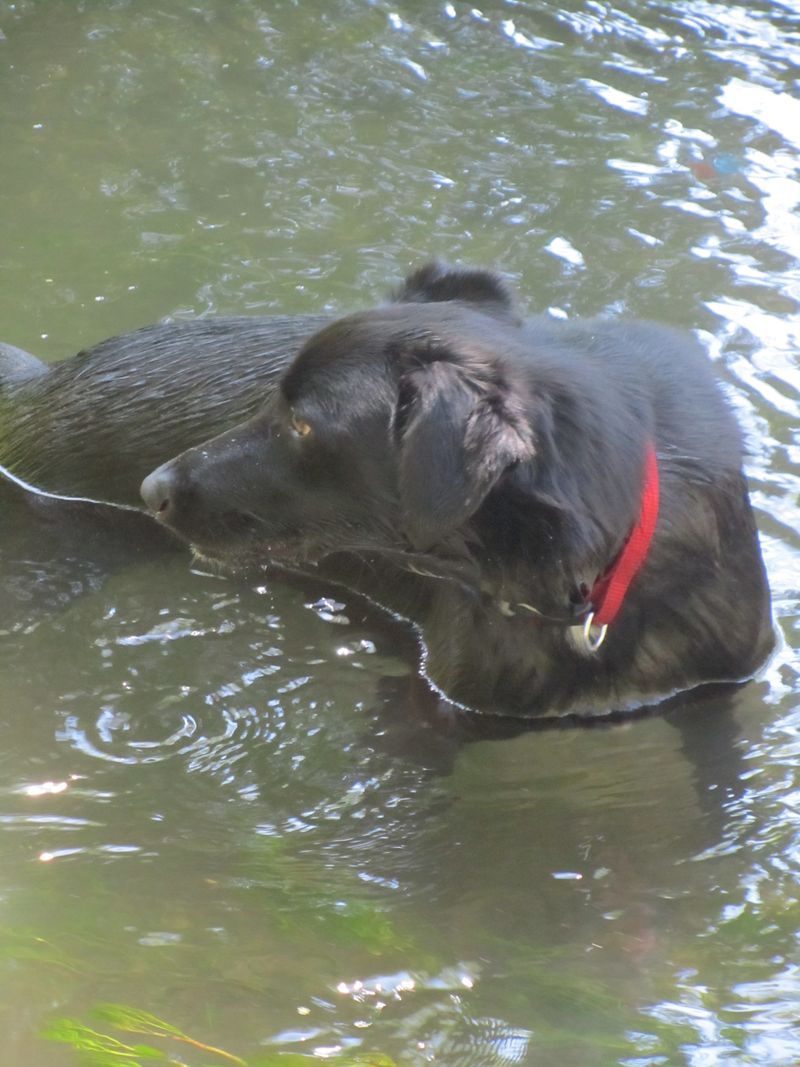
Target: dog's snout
(159, 490)
(200, 487)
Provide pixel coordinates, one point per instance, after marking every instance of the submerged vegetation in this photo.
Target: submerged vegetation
(96, 1048)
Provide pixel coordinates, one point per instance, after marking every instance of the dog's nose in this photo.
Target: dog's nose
(158, 492)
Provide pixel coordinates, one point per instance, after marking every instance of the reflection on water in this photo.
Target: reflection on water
(224, 804)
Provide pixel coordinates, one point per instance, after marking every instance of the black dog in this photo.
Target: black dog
(560, 506)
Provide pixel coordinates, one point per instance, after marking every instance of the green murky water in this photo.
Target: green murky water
(206, 810)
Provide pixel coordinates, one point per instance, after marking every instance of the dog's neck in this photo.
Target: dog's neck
(595, 603)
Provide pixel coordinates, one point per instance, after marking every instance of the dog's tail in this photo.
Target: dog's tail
(17, 366)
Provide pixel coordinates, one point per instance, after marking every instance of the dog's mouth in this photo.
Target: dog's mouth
(243, 546)
(240, 542)
(244, 553)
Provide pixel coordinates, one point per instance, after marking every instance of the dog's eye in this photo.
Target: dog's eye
(300, 426)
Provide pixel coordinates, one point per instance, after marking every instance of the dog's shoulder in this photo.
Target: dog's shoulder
(646, 366)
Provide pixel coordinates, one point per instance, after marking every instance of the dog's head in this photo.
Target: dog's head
(388, 432)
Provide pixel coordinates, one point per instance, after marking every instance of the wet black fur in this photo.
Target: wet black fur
(97, 423)
(461, 462)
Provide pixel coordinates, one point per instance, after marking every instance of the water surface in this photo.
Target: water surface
(209, 808)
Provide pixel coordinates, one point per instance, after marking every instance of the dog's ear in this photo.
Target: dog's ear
(458, 432)
(436, 283)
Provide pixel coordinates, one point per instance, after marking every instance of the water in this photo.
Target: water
(209, 808)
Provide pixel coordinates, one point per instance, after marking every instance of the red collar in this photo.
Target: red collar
(594, 612)
(608, 592)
